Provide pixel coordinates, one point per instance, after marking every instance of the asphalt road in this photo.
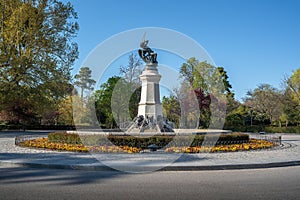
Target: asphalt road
(33, 183)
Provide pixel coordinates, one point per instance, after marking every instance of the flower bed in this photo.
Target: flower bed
(253, 144)
(44, 143)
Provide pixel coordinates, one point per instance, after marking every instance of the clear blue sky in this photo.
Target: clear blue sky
(256, 41)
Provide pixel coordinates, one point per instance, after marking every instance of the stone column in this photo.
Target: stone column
(150, 104)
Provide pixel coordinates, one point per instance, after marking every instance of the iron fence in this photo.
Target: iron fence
(276, 139)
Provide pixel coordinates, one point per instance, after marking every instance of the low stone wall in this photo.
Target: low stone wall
(176, 132)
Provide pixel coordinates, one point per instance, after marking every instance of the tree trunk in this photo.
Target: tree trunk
(279, 123)
(81, 93)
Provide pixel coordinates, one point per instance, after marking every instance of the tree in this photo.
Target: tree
(292, 92)
(132, 70)
(197, 74)
(204, 102)
(291, 99)
(36, 54)
(65, 111)
(237, 117)
(224, 77)
(84, 80)
(266, 100)
(171, 109)
(231, 102)
(131, 75)
(206, 82)
(290, 107)
(114, 102)
(293, 83)
(103, 102)
(117, 99)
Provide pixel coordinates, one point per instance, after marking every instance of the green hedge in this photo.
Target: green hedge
(144, 142)
(70, 138)
(232, 138)
(289, 129)
(268, 129)
(254, 129)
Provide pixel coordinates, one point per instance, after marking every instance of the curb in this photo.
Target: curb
(168, 168)
(232, 167)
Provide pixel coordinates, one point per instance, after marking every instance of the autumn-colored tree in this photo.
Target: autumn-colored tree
(65, 111)
(36, 54)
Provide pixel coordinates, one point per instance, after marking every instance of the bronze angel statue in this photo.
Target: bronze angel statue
(147, 54)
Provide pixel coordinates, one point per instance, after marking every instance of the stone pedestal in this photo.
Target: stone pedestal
(150, 105)
(150, 117)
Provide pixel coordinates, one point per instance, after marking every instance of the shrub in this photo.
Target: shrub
(63, 137)
(289, 129)
(143, 141)
(232, 138)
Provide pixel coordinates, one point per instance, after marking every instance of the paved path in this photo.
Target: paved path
(288, 155)
(259, 184)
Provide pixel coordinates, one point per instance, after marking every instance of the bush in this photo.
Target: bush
(268, 129)
(232, 138)
(289, 129)
(143, 142)
(63, 137)
(254, 128)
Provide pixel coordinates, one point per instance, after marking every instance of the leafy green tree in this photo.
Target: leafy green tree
(293, 84)
(103, 102)
(207, 82)
(198, 74)
(84, 80)
(290, 107)
(292, 100)
(266, 100)
(171, 109)
(114, 101)
(237, 117)
(231, 102)
(224, 76)
(117, 99)
(36, 54)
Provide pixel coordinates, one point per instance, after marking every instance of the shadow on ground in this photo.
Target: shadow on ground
(13, 134)
(16, 175)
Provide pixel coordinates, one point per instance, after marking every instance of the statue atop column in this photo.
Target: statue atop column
(150, 116)
(146, 53)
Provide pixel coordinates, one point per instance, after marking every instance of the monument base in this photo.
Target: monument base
(150, 124)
